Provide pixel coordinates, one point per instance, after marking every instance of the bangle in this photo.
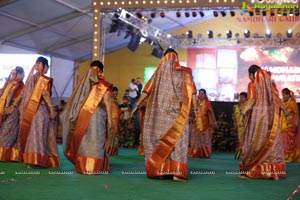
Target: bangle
(194, 109)
(137, 105)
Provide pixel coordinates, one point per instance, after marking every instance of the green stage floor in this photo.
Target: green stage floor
(214, 178)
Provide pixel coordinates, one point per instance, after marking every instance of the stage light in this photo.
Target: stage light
(264, 13)
(189, 34)
(162, 14)
(289, 33)
(232, 13)
(139, 15)
(116, 15)
(178, 14)
(210, 34)
(272, 12)
(228, 33)
(201, 14)
(291, 12)
(246, 33)
(251, 13)
(284, 12)
(194, 14)
(257, 11)
(296, 12)
(187, 14)
(216, 14)
(223, 13)
(268, 33)
(152, 15)
(279, 12)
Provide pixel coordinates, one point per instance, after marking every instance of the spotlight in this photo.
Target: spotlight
(201, 14)
(194, 14)
(246, 33)
(152, 15)
(116, 15)
(257, 11)
(272, 13)
(178, 14)
(232, 13)
(229, 33)
(187, 14)
(139, 15)
(216, 14)
(285, 12)
(251, 13)
(291, 12)
(264, 13)
(289, 33)
(189, 34)
(223, 13)
(268, 33)
(210, 34)
(296, 12)
(162, 15)
(279, 12)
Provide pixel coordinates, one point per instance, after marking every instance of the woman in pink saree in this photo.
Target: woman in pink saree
(289, 119)
(262, 153)
(9, 109)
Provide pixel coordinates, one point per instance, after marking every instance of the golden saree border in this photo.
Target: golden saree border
(171, 168)
(173, 134)
(10, 154)
(277, 170)
(89, 107)
(204, 152)
(3, 98)
(92, 166)
(31, 109)
(33, 158)
(269, 141)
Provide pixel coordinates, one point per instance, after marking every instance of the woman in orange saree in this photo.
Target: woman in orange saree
(169, 95)
(112, 139)
(85, 119)
(201, 130)
(262, 153)
(289, 119)
(37, 132)
(9, 109)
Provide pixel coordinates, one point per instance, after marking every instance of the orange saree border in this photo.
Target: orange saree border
(89, 107)
(92, 166)
(10, 154)
(33, 158)
(31, 108)
(173, 134)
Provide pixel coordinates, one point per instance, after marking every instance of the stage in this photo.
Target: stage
(214, 178)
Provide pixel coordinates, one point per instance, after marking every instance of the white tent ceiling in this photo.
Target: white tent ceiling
(63, 28)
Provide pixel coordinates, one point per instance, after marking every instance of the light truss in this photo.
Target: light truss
(147, 30)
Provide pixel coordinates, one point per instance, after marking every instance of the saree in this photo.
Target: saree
(239, 128)
(262, 152)
(168, 107)
(112, 140)
(201, 131)
(9, 128)
(289, 130)
(84, 126)
(37, 131)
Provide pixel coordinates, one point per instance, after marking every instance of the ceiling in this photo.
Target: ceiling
(63, 28)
